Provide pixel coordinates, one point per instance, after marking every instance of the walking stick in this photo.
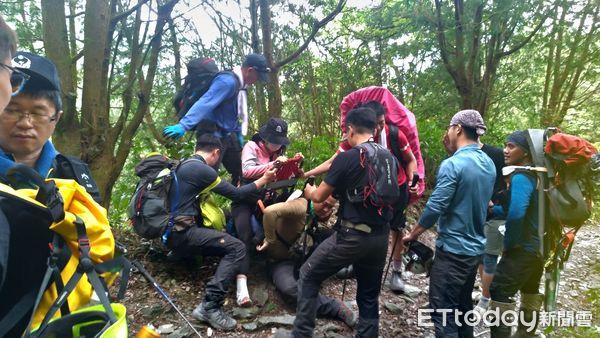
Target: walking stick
(414, 182)
(311, 181)
(151, 280)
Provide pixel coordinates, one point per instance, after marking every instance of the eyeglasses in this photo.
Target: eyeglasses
(13, 115)
(17, 79)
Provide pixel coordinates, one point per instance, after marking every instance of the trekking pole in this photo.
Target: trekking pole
(414, 182)
(310, 180)
(151, 280)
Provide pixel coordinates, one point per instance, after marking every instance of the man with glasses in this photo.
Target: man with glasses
(26, 125)
(29, 120)
(8, 47)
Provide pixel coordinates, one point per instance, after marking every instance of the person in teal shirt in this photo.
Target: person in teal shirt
(458, 204)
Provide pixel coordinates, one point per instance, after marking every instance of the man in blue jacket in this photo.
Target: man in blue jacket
(458, 204)
(220, 109)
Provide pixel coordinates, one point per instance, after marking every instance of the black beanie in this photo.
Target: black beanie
(519, 138)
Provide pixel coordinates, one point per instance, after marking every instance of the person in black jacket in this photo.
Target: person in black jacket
(189, 237)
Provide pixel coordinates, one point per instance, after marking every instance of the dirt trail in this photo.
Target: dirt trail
(184, 282)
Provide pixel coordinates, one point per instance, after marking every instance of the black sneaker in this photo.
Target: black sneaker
(216, 318)
(346, 273)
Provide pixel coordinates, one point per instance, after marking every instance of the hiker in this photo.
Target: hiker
(408, 164)
(26, 125)
(218, 111)
(259, 155)
(8, 47)
(521, 266)
(284, 224)
(493, 237)
(458, 204)
(361, 235)
(190, 238)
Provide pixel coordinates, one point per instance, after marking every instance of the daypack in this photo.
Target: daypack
(382, 189)
(397, 115)
(151, 212)
(65, 239)
(201, 72)
(569, 178)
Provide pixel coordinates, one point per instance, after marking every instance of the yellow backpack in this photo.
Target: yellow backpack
(212, 215)
(60, 230)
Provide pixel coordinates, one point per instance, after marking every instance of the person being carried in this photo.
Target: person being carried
(284, 224)
(521, 265)
(259, 155)
(459, 205)
(218, 111)
(188, 237)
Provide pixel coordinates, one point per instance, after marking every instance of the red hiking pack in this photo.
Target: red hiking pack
(571, 149)
(396, 114)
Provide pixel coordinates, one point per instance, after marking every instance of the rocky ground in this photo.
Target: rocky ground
(184, 282)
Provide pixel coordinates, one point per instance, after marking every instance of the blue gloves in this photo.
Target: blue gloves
(174, 132)
(240, 138)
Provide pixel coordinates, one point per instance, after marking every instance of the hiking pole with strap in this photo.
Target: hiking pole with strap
(413, 183)
(151, 280)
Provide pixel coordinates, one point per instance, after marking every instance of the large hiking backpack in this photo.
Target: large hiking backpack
(569, 188)
(201, 72)
(396, 114)
(382, 189)
(151, 212)
(65, 239)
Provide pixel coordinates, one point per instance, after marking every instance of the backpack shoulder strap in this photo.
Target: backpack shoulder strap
(394, 141)
(238, 84)
(71, 167)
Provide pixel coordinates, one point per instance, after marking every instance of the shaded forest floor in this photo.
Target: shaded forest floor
(184, 282)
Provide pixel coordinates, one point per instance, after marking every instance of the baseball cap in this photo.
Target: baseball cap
(469, 118)
(44, 75)
(259, 63)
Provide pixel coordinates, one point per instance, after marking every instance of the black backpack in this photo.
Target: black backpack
(382, 190)
(149, 209)
(201, 72)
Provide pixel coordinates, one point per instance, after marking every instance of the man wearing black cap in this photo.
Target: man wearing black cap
(220, 110)
(26, 125)
(458, 204)
(189, 237)
(521, 266)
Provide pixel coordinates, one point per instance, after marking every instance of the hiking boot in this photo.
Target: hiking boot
(346, 273)
(215, 317)
(530, 308)
(346, 315)
(396, 282)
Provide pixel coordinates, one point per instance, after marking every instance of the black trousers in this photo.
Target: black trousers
(210, 242)
(518, 270)
(241, 213)
(450, 286)
(367, 253)
(283, 274)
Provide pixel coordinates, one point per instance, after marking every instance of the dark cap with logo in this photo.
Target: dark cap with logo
(259, 63)
(275, 131)
(44, 75)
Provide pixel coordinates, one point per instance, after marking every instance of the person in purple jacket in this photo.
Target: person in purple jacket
(220, 109)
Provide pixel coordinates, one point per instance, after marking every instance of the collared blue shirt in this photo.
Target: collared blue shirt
(218, 104)
(458, 203)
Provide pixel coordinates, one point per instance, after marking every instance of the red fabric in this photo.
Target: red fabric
(290, 168)
(397, 114)
(577, 150)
